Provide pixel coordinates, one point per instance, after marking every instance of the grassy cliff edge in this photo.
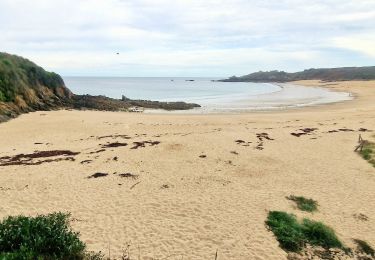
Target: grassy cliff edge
(27, 87)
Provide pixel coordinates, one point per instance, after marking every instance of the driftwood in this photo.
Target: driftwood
(361, 144)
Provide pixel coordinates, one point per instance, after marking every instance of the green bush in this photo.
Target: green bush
(2, 96)
(40, 237)
(293, 235)
(304, 204)
(316, 233)
(17, 73)
(287, 230)
(366, 153)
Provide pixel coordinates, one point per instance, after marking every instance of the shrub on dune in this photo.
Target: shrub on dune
(41, 237)
(294, 235)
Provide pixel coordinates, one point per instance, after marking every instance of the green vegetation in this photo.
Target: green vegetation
(17, 73)
(287, 230)
(334, 74)
(304, 204)
(368, 152)
(41, 237)
(293, 235)
(2, 97)
(319, 234)
(26, 87)
(364, 247)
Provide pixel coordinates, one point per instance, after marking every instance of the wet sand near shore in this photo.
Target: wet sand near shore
(186, 186)
(288, 96)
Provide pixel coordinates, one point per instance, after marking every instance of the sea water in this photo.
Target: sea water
(212, 95)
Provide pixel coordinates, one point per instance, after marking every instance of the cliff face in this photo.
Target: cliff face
(26, 87)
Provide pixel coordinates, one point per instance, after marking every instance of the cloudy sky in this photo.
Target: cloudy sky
(188, 37)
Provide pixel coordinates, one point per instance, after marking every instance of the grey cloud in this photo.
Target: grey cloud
(61, 33)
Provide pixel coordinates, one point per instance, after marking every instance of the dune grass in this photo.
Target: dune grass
(41, 237)
(304, 204)
(294, 235)
(286, 229)
(368, 153)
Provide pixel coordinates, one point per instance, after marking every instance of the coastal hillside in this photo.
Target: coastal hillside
(27, 87)
(334, 74)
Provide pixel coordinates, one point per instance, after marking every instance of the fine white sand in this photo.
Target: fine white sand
(187, 207)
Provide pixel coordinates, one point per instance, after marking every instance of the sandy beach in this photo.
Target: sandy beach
(182, 186)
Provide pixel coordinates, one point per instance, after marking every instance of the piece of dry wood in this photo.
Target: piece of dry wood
(362, 143)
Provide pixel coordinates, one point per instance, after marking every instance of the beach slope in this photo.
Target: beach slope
(186, 186)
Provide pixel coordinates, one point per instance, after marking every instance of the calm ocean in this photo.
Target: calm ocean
(201, 90)
(211, 95)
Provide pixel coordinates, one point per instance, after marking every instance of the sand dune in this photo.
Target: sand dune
(192, 185)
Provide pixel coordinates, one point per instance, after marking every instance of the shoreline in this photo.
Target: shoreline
(310, 102)
(280, 104)
(303, 108)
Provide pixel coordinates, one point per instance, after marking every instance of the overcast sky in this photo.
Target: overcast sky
(188, 37)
